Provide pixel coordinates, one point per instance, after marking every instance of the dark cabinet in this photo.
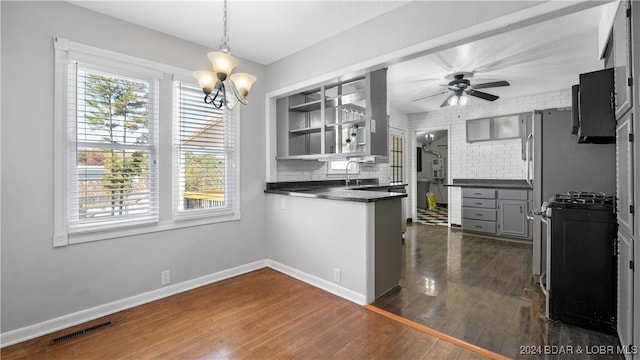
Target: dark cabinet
(594, 103)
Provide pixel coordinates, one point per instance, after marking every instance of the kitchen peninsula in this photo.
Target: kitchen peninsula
(344, 239)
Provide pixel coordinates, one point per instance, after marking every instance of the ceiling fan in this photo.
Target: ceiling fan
(461, 86)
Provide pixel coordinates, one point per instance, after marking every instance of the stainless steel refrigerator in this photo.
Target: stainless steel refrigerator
(558, 164)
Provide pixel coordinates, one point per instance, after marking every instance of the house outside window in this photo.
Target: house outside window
(204, 155)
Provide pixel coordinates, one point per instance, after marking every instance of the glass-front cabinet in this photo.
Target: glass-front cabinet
(336, 119)
(345, 117)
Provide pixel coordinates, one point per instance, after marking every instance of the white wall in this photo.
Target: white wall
(40, 283)
(480, 160)
(402, 32)
(310, 238)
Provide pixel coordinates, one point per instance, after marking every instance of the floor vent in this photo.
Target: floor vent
(75, 334)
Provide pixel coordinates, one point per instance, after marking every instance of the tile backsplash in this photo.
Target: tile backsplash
(302, 170)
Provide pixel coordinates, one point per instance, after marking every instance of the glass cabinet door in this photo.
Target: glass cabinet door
(345, 117)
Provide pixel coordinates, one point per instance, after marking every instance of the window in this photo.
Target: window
(111, 152)
(339, 167)
(204, 155)
(396, 156)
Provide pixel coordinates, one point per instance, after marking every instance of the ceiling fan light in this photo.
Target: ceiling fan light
(453, 101)
(223, 63)
(463, 100)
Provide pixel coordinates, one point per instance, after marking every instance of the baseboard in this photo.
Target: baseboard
(360, 299)
(63, 322)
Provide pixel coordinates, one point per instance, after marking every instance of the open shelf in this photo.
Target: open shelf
(307, 130)
(308, 106)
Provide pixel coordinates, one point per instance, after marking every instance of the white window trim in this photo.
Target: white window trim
(61, 236)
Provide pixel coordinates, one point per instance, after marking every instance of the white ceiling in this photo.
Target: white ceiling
(547, 56)
(259, 30)
(543, 57)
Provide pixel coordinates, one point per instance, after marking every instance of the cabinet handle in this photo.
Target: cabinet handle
(479, 226)
(520, 209)
(477, 193)
(479, 215)
(478, 203)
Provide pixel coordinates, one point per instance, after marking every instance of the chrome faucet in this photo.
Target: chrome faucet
(346, 171)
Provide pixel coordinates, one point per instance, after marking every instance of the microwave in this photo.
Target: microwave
(593, 108)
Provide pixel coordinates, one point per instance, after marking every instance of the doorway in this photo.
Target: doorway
(432, 172)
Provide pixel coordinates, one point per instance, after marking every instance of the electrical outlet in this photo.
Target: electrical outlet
(165, 277)
(336, 275)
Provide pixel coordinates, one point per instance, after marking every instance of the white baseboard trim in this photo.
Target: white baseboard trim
(360, 299)
(65, 321)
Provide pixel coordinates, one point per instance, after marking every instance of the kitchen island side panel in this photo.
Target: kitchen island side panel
(316, 236)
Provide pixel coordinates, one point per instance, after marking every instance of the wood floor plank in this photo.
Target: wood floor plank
(260, 315)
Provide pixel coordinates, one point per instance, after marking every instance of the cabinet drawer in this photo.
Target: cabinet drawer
(513, 194)
(479, 214)
(479, 193)
(479, 203)
(479, 225)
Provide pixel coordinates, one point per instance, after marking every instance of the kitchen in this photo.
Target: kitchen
(78, 292)
(497, 160)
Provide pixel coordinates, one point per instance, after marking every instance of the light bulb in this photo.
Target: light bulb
(222, 63)
(243, 83)
(463, 100)
(453, 101)
(206, 80)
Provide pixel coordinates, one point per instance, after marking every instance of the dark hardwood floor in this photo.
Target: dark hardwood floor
(481, 291)
(260, 315)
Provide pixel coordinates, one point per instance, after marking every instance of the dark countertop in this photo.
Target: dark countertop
(369, 190)
(492, 183)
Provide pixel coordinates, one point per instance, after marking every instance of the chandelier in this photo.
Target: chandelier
(220, 86)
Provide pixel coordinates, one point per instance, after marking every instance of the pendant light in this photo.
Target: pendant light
(220, 86)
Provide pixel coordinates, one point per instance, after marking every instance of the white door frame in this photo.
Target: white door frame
(413, 191)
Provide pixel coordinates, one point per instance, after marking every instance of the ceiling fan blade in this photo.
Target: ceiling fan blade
(426, 97)
(446, 102)
(483, 95)
(491, 84)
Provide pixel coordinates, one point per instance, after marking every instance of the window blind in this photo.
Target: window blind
(204, 156)
(111, 148)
